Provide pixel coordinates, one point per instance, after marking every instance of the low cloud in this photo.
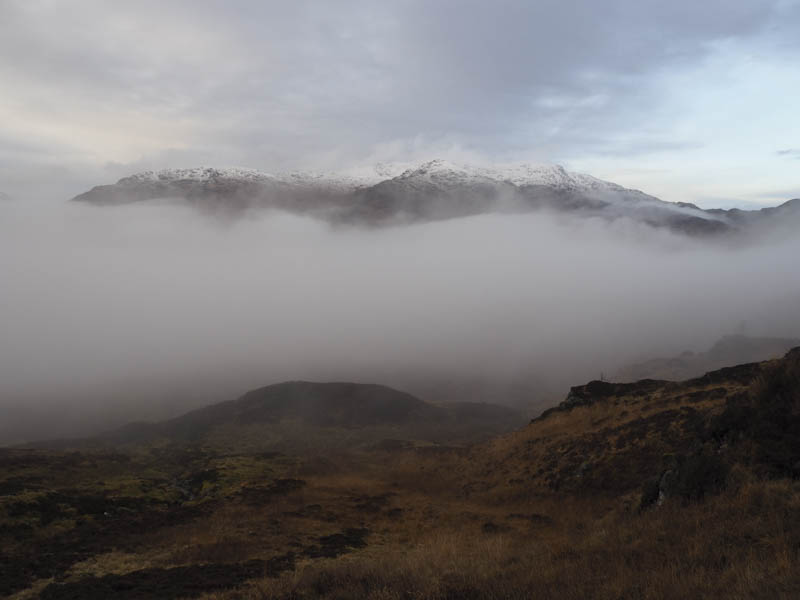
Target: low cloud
(142, 310)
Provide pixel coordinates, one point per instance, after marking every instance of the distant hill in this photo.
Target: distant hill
(430, 191)
(302, 415)
(730, 350)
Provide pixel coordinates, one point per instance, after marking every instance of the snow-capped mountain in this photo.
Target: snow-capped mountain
(522, 174)
(394, 194)
(195, 174)
(435, 173)
(347, 181)
(235, 189)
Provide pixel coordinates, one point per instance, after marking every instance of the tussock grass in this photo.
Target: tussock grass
(742, 544)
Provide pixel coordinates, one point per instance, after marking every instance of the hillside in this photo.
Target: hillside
(431, 191)
(653, 489)
(632, 440)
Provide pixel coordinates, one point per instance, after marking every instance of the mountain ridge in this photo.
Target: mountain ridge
(399, 194)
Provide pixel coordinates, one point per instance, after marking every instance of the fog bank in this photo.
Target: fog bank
(144, 310)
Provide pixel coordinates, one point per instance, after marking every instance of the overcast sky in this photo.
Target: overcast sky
(691, 101)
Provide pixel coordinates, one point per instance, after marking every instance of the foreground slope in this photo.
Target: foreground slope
(633, 440)
(654, 490)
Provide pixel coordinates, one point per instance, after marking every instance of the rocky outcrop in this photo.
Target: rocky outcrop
(597, 391)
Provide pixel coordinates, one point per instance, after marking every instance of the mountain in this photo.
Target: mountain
(737, 217)
(439, 189)
(730, 350)
(431, 191)
(301, 415)
(231, 190)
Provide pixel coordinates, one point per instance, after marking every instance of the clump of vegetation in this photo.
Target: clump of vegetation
(767, 420)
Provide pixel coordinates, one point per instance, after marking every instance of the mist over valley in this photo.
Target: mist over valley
(143, 310)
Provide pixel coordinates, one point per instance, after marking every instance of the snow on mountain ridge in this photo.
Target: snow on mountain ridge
(313, 179)
(518, 174)
(196, 174)
(396, 193)
(433, 172)
(329, 180)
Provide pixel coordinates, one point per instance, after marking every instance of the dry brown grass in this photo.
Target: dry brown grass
(743, 544)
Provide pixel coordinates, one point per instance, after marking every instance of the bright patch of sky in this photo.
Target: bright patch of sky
(735, 125)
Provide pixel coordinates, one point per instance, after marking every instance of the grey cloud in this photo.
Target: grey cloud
(286, 84)
(780, 194)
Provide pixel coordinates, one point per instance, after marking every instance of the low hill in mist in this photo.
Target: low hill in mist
(306, 415)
